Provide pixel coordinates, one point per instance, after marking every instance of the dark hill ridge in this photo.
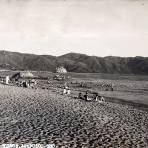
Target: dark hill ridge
(74, 62)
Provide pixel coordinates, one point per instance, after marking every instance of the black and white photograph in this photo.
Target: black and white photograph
(73, 73)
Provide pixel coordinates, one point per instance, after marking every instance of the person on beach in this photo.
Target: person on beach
(64, 91)
(96, 97)
(25, 84)
(101, 99)
(80, 96)
(86, 96)
(68, 91)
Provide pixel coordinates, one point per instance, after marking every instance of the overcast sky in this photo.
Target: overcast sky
(93, 27)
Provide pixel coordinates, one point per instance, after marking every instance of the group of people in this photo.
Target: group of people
(27, 83)
(96, 97)
(86, 96)
(66, 90)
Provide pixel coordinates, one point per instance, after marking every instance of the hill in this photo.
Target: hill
(74, 62)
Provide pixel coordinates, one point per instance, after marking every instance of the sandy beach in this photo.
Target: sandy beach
(44, 116)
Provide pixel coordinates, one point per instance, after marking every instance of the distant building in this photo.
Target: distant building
(23, 74)
(61, 70)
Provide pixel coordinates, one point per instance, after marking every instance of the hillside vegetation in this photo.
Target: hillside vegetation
(74, 62)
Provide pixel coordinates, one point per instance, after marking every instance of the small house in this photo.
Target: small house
(22, 75)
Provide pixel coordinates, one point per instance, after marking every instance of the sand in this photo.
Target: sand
(44, 116)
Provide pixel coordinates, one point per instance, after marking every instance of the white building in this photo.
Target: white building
(61, 70)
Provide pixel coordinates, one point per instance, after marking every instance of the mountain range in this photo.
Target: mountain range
(74, 62)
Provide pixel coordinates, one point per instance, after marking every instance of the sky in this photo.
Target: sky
(92, 27)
